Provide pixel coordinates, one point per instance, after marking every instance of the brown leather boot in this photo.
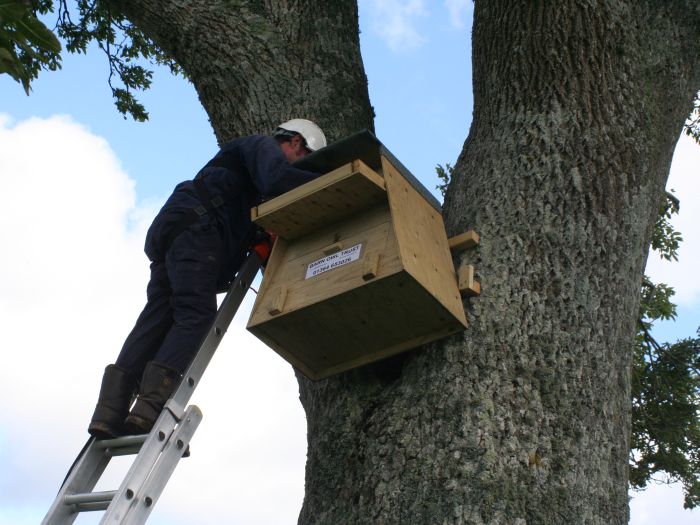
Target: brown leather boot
(157, 385)
(116, 394)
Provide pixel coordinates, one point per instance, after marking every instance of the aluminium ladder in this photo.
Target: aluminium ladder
(157, 452)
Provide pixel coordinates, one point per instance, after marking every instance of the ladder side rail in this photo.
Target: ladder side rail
(82, 479)
(140, 468)
(150, 491)
(84, 475)
(224, 316)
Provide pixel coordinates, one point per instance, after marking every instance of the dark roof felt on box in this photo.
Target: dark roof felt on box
(366, 147)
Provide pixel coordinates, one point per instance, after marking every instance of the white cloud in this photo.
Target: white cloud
(660, 503)
(67, 272)
(72, 281)
(457, 10)
(685, 180)
(396, 21)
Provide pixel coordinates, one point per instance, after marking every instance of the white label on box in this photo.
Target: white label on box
(333, 261)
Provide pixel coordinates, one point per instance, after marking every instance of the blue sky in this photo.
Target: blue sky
(87, 182)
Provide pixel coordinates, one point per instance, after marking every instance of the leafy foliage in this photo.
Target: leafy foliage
(665, 240)
(26, 45)
(444, 174)
(665, 378)
(122, 42)
(36, 47)
(666, 430)
(665, 385)
(692, 125)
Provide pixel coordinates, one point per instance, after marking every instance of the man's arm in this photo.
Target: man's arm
(269, 169)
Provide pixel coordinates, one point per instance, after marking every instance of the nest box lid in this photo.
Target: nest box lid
(366, 147)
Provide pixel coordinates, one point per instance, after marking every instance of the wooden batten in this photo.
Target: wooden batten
(277, 300)
(465, 281)
(371, 267)
(464, 241)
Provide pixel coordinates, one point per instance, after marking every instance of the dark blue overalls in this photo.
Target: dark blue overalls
(194, 254)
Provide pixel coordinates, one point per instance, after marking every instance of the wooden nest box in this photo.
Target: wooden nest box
(361, 269)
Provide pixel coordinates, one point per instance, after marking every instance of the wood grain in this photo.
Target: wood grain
(328, 199)
(463, 241)
(420, 233)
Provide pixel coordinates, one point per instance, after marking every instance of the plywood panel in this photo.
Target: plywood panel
(420, 233)
(338, 232)
(362, 326)
(372, 231)
(327, 199)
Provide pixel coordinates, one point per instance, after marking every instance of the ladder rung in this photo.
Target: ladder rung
(91, 507)
(89, 497)
(120, 442)
(124, 451)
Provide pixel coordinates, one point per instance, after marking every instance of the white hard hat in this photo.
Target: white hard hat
(313, 135)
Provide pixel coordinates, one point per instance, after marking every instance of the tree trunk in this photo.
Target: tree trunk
(523, 418)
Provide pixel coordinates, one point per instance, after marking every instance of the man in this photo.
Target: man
(196, 244)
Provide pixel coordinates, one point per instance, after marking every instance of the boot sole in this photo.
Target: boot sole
(103, 431)
(135, 426)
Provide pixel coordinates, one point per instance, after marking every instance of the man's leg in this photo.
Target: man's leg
(120, 380)
(193, 264)
(153, 324)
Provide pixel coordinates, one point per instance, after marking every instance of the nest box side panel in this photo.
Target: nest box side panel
(420, 232)
(295, 280)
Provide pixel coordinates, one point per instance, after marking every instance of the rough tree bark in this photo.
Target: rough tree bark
(524, 418)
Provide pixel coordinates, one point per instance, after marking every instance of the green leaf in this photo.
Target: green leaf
(11, 11)
(445, 175)
(10, 64)
(6, 58)
(39, 34)
(692, 125)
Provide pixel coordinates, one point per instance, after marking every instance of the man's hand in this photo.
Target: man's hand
(262, 244)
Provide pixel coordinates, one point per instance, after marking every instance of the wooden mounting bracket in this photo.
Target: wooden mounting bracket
(276, 305)
(463, 241)
(371, 267)
(465, 281)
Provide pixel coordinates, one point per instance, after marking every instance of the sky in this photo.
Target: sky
(84, 185)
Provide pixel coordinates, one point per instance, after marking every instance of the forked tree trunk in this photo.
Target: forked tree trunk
(524, 418)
